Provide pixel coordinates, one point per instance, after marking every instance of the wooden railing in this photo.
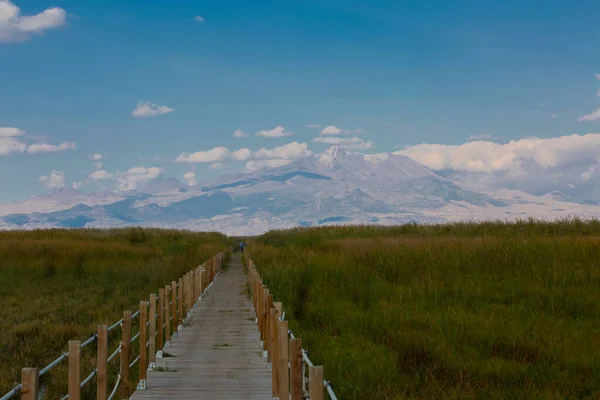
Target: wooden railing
(288, 361)
(157, 325)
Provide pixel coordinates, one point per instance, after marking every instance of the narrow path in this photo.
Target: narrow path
(219, 356)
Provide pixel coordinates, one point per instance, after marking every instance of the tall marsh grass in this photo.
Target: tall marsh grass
(462, 311)
(58, 285)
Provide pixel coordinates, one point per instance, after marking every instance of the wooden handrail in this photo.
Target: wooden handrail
(286, 357)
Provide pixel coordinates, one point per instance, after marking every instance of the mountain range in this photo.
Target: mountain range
(333, 187)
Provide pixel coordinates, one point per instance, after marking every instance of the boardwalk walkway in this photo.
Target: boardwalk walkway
(219, 356)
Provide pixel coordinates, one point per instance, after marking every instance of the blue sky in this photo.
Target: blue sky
(402, 72)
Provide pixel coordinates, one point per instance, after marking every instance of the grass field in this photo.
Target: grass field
(463, 311)
(58, 285)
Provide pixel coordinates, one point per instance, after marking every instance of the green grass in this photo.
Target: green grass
(58, 285)
(460, 311)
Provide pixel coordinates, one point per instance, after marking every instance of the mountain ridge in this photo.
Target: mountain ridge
(333, 187)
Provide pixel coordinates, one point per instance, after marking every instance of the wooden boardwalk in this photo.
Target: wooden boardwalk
(219, 356)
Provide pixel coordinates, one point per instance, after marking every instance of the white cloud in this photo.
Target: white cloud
(50, 148)
(145, 109)
(313, 126)
(217, 166)
(100, 175)
(55, 180)
(78, 184)
(331, 130)
(354, 143)
(15, 27)
(252, 166)
(240, 134)
(134, 177)
(242, 154)
(11, 132)
(199, 18)
(96, 157)
(591, 116)
(286, 152)
(488, 156)
(216, 154)
(190, 178)
(278, 131)
(10, 145)
(483, 136)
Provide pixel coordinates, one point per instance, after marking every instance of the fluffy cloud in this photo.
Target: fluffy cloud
(354, 143)
(10, 145)
(50, 148)
(252, 166)
(199, 18)
(240, 134)
(100, 175)
(137, 176)
(591, 116)
(278, 131)
(55, 180)
(15, 27)
(96, 157)
(145, 109)
(11, 132)
(216, 154)
(190, 178)
(488, 156)
(242, 154)
(333, 130)
(285, 152)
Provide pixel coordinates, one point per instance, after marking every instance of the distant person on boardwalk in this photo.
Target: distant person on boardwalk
(242, 247)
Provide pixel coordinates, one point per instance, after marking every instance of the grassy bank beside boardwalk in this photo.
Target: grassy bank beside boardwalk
(462, 311)
(58, 285)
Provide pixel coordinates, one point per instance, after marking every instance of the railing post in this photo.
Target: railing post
(174, 306)
(200, 284)
(260, 312)
(167, 317)
(125, 352)
(74, 369)
(296, 369)
(180, 306)
(30, 381)
(273, 343)
(316, 376)
(152, 336)
(283, 376)
(161, 319)
(143, 349)
(101, 363)
(266, 308)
